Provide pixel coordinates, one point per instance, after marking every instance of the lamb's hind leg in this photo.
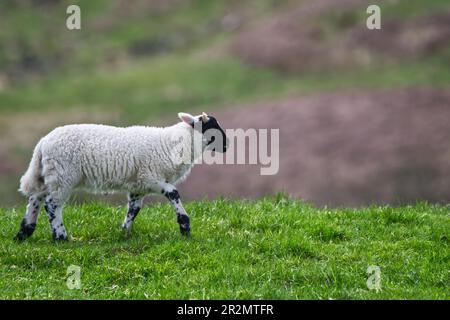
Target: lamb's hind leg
(54, 211)
(28, 223)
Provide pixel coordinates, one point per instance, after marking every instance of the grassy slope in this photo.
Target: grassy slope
(272, 248)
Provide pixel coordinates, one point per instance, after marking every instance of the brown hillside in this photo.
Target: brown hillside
(330, 35)
(351, 148)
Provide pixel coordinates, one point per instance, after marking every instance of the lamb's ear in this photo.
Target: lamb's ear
(186, 117)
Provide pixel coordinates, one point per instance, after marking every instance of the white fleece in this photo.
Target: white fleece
(104, 158)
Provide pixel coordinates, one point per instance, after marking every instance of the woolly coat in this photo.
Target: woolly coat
(103, 158)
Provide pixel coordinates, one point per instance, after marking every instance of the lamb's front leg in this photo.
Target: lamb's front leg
(134, 205)
(171, 193)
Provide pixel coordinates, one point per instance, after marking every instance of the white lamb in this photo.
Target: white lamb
(139, 160)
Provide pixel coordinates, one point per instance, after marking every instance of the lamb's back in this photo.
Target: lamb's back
(101, 139)
(102, 156)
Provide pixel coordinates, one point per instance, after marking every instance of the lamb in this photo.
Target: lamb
(139, 160)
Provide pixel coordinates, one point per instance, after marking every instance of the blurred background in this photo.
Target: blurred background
(364, 115)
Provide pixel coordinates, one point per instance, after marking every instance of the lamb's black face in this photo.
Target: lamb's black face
(211, 131)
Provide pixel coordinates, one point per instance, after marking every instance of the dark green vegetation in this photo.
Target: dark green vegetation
(273, 248)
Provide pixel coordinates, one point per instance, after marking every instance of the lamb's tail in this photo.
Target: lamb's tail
(32, 181)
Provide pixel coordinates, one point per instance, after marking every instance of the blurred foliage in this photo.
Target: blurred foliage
(33, 36)
(158, 55)
(146, 60)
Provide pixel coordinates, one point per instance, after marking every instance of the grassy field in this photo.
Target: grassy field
(275, 248)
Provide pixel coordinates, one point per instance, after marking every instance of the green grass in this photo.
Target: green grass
(275, 248)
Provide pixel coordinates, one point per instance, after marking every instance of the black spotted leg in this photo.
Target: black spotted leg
(134, 205)
(54, 213)
(171, 193)
(28, 223)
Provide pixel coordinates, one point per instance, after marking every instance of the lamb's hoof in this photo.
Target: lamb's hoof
(26, 230)
(185, 230)
(20, 237)
(60, 238)
(126, 232)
